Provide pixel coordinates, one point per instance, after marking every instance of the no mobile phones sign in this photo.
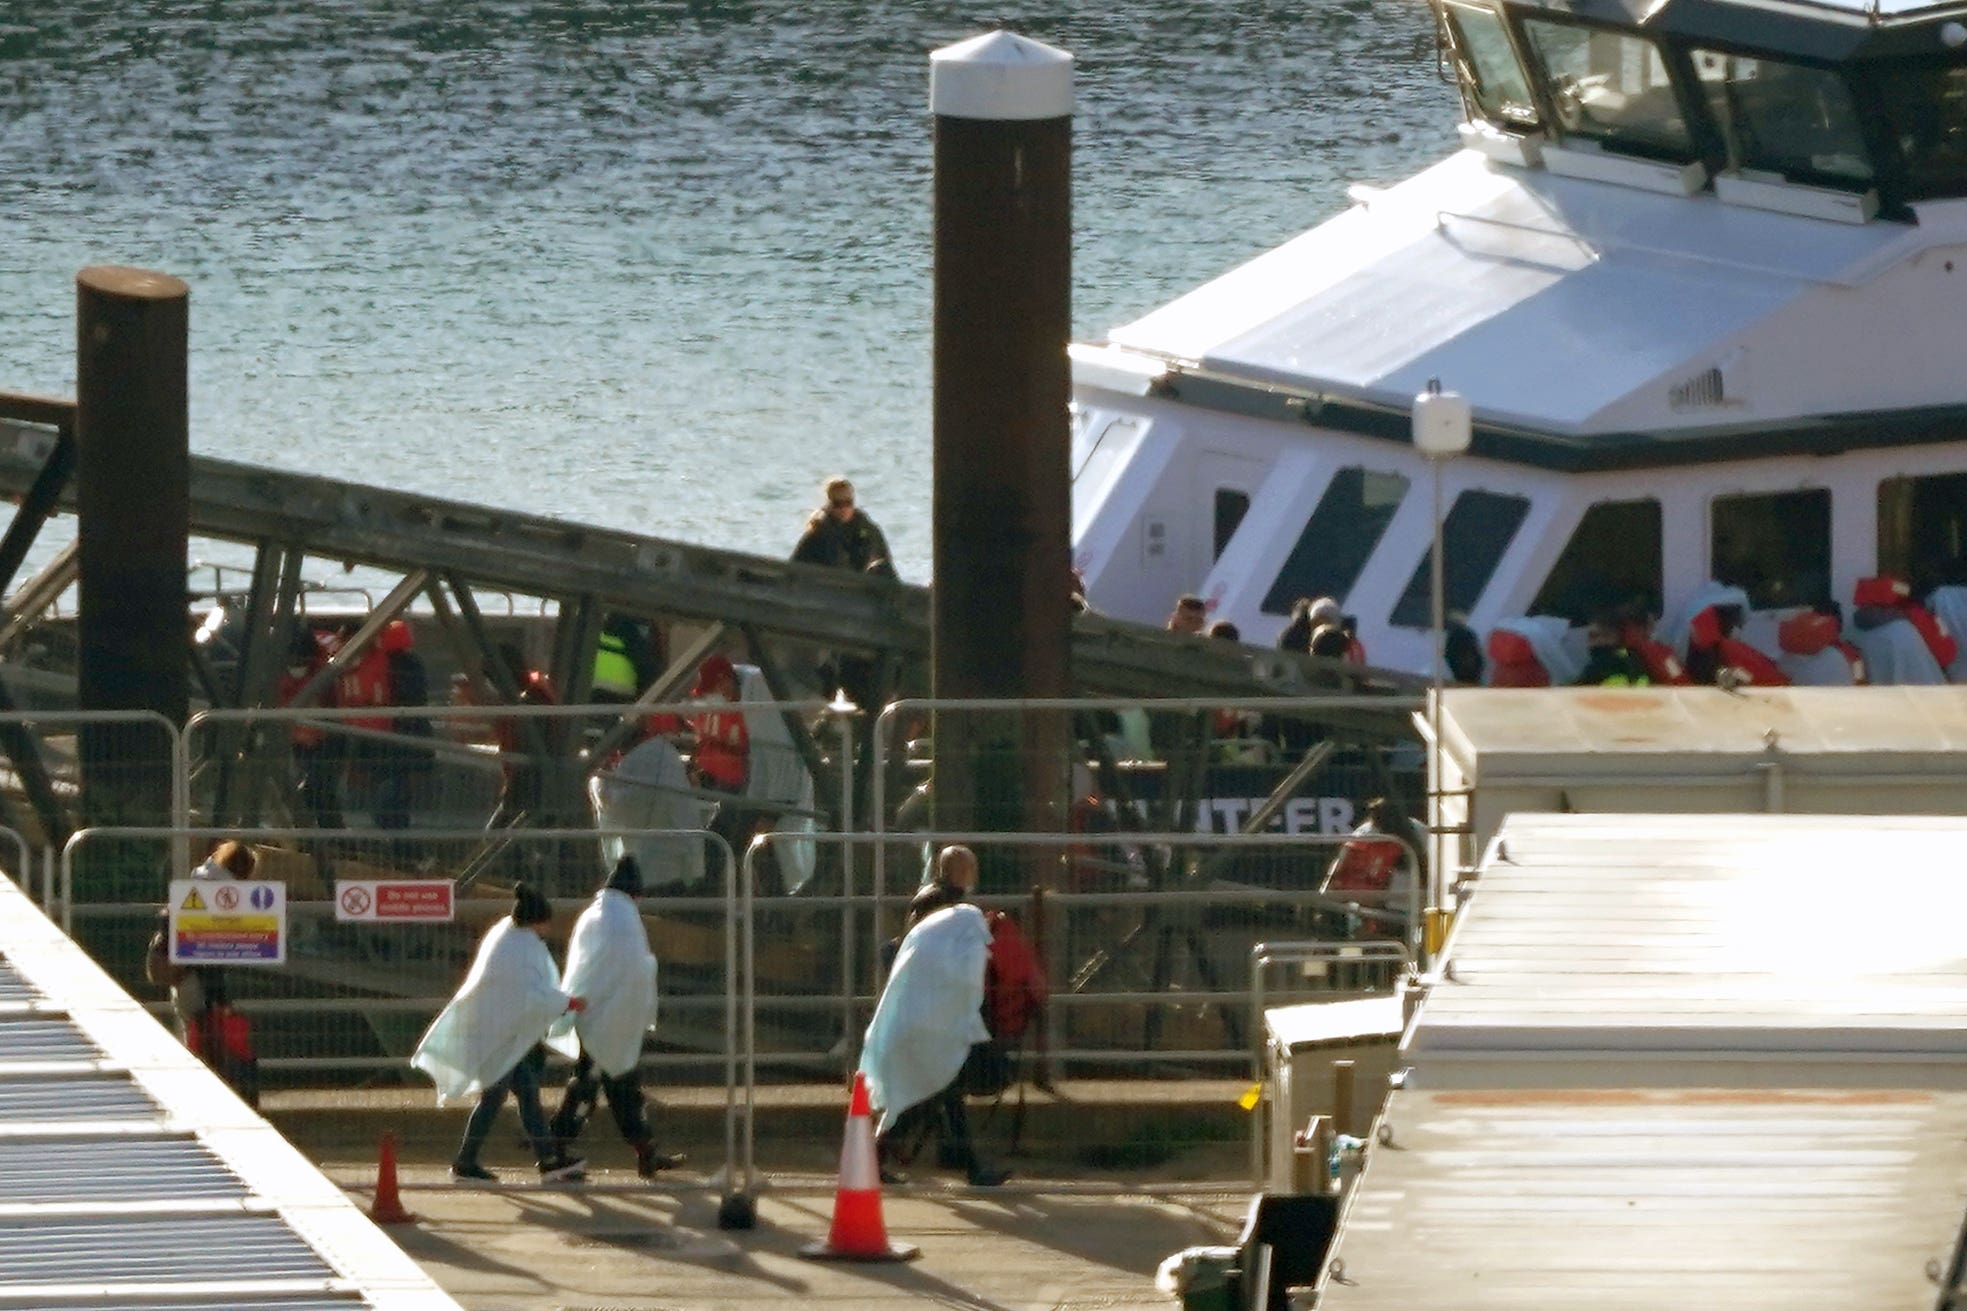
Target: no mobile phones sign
(372, 900)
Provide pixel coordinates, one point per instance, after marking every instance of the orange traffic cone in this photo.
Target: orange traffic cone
(857, 1233)
(388, 1207)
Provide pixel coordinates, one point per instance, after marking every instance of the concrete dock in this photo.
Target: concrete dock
(1062, 1234)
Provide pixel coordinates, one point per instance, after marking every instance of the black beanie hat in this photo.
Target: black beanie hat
(528, 906)
(627, 876)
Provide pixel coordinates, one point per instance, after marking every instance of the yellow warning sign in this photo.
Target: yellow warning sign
(193, 902)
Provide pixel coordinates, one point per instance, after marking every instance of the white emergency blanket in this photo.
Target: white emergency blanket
(776, 773)
(505, 1005)
(649, 789)
(1675, 631)
(931, 1012)
(1894, 652)
(610, 965)
(1825, 668)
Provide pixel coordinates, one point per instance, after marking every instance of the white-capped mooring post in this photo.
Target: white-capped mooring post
(1001, 613)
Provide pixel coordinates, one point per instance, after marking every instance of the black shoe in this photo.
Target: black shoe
(892, 1176)
(472, 1172)
(563, 1169)
(648, 1160)
(988, 1176)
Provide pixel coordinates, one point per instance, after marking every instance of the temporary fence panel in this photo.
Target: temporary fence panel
(1142, 983)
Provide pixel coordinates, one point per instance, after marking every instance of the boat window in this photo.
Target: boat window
(1927, 110)
(1775, 546)
(1610, 87)
(1613, 557)
(1488, 67)
(1338, 539)
(1786, 119)
(1478, 529)
(1922, 529)
(1231, 506)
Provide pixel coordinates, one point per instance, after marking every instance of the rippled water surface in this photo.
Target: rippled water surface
(656, 266)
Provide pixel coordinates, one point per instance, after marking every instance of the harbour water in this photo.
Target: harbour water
(659, 266)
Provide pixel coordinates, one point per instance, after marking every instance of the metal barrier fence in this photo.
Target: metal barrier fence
(1178, 1005)
(510, 767)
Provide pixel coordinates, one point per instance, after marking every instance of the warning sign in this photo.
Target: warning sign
(370, 900)
(241, 922)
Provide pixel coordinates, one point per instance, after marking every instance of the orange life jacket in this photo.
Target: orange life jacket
(723, 747)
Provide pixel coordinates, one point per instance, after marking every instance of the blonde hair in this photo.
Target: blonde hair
(833, 488)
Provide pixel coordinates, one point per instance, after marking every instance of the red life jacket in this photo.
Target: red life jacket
(1761, 670)
(1857, 661)
(723, 747)
(366, 683)
(1663, 667)
(1366, 864)
(1513, 661)
(1015, 987)
(1938, 640)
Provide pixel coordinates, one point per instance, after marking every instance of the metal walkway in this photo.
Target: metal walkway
(132, 1177)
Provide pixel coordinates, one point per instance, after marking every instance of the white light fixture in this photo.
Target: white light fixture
(1442, 423)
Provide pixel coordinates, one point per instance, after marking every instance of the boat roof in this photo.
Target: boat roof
(1568, 311)
(1662, 1069)
(1828, 30)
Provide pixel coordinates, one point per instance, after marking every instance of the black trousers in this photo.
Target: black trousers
(584, 1092)
(944, 1115)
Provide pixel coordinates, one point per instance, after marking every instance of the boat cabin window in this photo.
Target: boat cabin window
(1478, 529)
(1231, 505)
(1774, 545)
(1787, 120)
(1338, 539)
(1488, 67)
(1922, 529)
(1613, 88)
(1612, 557)
(1926, 108)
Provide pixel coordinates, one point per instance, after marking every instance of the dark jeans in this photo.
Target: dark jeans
(584, 1092)
(522, 1083)
(946, 1116)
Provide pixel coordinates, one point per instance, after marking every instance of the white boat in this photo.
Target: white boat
(1701, 271)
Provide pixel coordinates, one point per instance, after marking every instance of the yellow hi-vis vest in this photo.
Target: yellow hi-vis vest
(614, 672)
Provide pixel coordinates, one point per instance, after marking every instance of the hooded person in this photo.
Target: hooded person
(928, 1017)
(1895, 649)
(487, 1040)
(610, 966)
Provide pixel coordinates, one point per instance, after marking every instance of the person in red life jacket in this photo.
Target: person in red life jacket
(1902, 643)
(723, 753)
(523, 789)
(1814, 652)
(317, 752)
(1376, 867)
(1635, 629)
(363, 683)
(1715, 656)
(1609, 662)
(401, 763)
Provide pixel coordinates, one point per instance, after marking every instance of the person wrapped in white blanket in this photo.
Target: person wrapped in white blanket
(929, 1016)
(609, 964)
(487, 1040)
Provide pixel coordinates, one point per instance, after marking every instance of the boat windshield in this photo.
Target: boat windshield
(1489, 68)
(1789, 120)
(1610, 87)
(1926, 107)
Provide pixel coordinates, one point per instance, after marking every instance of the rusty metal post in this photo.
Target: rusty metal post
(133, 499)
(1000, 614)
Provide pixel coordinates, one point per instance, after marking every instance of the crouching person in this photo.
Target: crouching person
(487, 1040)
(929, 1016)
(609, 966)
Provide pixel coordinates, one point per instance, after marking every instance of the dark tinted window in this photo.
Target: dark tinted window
(1474, 536)
(1338, 538)
(1927, 110)
(1787, 119)
(1922, 529)
(1231, 506)
(1775, 546)
(1612, 558)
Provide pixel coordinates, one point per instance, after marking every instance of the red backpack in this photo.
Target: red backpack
(1014, 982)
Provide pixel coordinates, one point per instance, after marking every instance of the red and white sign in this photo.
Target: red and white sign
(371, 900)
